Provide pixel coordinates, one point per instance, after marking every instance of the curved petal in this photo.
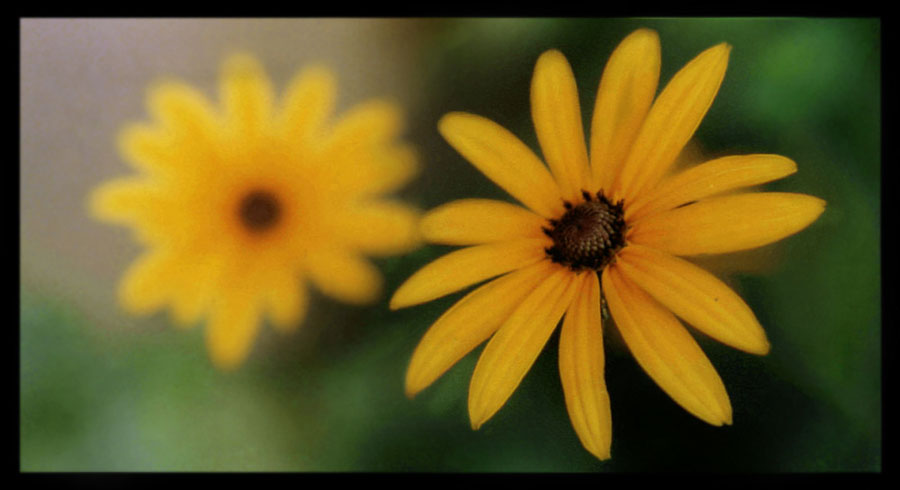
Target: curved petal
(504, 159)
(247, 95)
(556, 113)
(372, 122)
(672, 121)
(475, 221)
(727, 224)
(468, 323)
(147, 284)
(344, 275)
(169, 152)
(374, 170)
(286, 300)
(515, 346)
(626, 92)
(147, 148)
(194, 290)
(379, 227)
(666, 351)
(465, 267)
(708, 179)
(696, 296)
(581, 369)
(307, 103)
(183, 110)
(187, 132)
(233, 325)
(129, 200)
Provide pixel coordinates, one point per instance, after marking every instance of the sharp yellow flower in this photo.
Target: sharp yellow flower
(240, 205)
(605, 224)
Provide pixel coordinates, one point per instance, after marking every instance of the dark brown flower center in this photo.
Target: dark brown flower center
(589, 234)
(259, 210)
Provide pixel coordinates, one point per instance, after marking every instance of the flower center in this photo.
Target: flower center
(589, 234)
(259, 211)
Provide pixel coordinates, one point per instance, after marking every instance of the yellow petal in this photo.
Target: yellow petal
(127, 200)
(372, 122)
(344, 275)
(672, 121)
(465, 267)
(470, 322)
(728, 224)
(515, 346)
(377, 170)
(148, 149)
(233, 325)
(307, 102)
(147, 284)
(581, 369)
(666, 351)
(708, 179)
(195, 288)
(286, 300)
(475, 221)
(172, 153)
(379, 227)
(504, 159)
(556, 113)
(623, 99)
(183, 110)
(696, 296)
(247, 95)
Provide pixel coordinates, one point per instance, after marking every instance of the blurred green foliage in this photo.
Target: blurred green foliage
(98, 395)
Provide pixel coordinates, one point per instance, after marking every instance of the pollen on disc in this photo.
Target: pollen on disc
(589, 234)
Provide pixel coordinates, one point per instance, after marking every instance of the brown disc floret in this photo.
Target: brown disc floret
(589, 234)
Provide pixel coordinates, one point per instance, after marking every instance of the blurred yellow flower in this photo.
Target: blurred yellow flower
(606, 225)
(240, 205)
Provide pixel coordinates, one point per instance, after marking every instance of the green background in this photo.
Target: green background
(102, 391)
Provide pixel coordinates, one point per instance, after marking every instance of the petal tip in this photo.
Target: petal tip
(97, 204)
(225, 362)
(726, 415)
(225, 354)
(551, 63)
(644, 34)
(241, 62)
(720, 52)
(413, 384)
(728, 420)
(477, 416)
(451, 118)
(400, 299)
(821, 202)
(817, 206)
(321, 72)
(602, 455)
(410, 392)
(551, 55)
(394, 304)
(763, 349)
(789, 164)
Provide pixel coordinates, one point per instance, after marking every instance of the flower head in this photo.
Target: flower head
(240, 205)
(606, 224)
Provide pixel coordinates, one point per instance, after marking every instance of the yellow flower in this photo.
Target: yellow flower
(606, 225)
(239, 205)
